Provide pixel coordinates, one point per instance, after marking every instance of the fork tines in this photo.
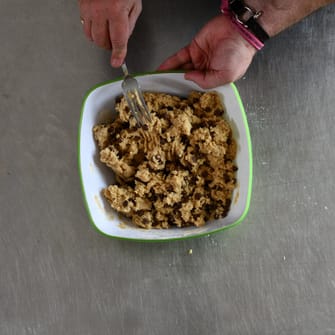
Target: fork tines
(134, 98)
(137, 106)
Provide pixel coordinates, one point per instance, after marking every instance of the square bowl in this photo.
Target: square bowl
(98, 107)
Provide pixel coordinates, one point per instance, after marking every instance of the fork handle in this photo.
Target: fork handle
(125, 69)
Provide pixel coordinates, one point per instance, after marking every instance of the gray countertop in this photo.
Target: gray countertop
(273, 274)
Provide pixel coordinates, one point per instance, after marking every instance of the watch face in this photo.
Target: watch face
(247, 17)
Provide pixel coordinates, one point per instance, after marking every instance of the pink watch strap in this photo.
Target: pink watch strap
(246, 34)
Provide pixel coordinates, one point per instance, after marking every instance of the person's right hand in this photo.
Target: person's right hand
(109, 24)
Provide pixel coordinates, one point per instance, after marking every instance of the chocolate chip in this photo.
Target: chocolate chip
(226, 178)
(163, 141)
(126, 109)
(125, 203)
(169, 188)
(184, 138)
(218, 112)
(235, 168)
(145, 127)
(131, 184)
(166, 172)
(145, 221)
(208, 208)
(206, 187)
(154, 197)
(140, 212)
(224, 213)
(193, 180)
(184, 197)
(171, 219)
(169, 108)
(197, 196)
(125, 125)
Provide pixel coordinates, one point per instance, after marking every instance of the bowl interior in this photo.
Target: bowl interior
(98, 107)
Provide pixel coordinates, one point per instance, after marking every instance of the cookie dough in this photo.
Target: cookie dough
(176, 171)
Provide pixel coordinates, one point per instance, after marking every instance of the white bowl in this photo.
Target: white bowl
(95, 176)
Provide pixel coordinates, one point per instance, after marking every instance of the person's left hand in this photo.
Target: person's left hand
(217, 55)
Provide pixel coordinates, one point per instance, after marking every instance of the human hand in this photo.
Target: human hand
(217, 55)
(109, 24)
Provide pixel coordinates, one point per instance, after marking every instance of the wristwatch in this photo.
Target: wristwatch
(247, 16)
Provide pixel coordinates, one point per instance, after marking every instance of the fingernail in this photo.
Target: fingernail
(116, 62)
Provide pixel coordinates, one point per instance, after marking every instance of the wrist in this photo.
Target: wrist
(274, 16)
(244, 19)
(281, 14)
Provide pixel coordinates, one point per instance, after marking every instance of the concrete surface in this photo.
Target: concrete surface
(273, 274)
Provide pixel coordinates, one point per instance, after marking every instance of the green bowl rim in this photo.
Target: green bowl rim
(242, 217)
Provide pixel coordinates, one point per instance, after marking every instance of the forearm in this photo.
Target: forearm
(281, 14)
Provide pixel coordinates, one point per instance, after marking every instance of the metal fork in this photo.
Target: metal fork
(134, 97)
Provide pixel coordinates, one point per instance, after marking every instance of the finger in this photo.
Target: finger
(187, 66)
(133, 16)
(100, 34)
(208, 79)
(119, 34)
(176, 61)
(87, 26)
